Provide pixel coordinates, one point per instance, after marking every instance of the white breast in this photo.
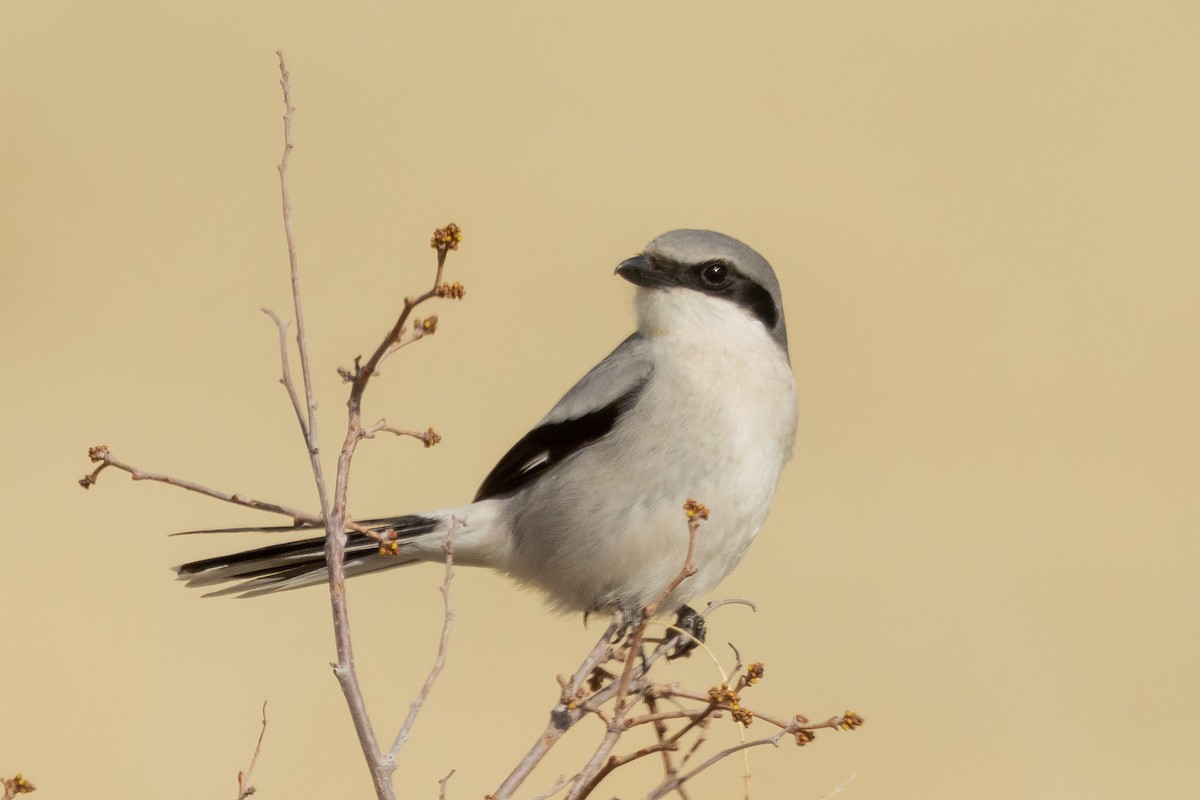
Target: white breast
(716, 423)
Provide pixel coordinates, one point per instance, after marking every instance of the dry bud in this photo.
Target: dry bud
(695, 510)
(390, 548)
(446, 238)
(452, 291)
(431, 437)
(427, 325)
(850, 721)
(741, 715)
(17, 785)
(98, 453)
(723, 694)
(804, 737)
(754, 672)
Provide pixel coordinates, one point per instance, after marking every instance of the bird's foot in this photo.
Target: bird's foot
(689, 630)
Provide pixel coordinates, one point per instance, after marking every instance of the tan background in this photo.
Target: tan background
(985, 222)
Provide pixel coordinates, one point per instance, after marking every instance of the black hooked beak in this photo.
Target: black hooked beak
(641, 270)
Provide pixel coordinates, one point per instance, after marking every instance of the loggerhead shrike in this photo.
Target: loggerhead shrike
(699, 402)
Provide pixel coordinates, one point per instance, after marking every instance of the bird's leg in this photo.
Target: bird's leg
(623, 618)
(692, 629)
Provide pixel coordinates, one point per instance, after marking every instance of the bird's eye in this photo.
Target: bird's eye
(714, 273)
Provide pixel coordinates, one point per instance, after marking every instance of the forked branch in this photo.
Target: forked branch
(333, 512)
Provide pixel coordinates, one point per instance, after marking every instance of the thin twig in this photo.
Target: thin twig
(333, 514)
(429, 437)
(841, 787)
(103, 455)
(839, 721)
(565, 714)
(615, 762)
(570, 710)
(657, 717)
(442, 784)
(553, 790)
(293, 261)
(697, 721)
(669, 785)
(301, 519)
(705, 726)
(599, 653)
(286, 378)
(440, 661)
(660, 734)
(245, 789)
(731, 601)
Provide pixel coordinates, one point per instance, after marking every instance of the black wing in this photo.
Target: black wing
(548, 444)
(584, 415)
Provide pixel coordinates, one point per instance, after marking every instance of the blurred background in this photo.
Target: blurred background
(984, 218)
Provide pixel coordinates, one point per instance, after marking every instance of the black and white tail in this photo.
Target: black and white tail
(291, 565)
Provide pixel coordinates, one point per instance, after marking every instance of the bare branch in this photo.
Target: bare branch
(731, 601)
(245, 789)
(286, 377)
(293, 261)
(440, 661)
(572, 706)
(671, 784)
(429, 437)
(400, 335)
(704, 727)
(619, 761)
(565, 713)
(334, 514)
(553, 790)
(103, 455)
(660, 735)
(841, 787)
(442, 784)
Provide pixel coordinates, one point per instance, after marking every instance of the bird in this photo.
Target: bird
(698, 402)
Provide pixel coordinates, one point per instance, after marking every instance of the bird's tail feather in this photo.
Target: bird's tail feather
(290, 565)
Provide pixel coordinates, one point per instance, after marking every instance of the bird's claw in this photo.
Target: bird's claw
(691, 630)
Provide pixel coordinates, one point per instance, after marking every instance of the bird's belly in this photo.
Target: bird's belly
(615, 538)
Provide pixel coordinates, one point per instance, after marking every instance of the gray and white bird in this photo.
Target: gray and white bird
(699, 402)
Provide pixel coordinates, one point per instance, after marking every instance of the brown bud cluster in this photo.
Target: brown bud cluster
(728, 698)
(98, 453)
(430, 437)
(446, 238)
(695, 510)
(389, 548)
(804, 737)
(427, 325)
(17, 785)
(452, 291)
(850, 721)
(722, 694)
(754, 673)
